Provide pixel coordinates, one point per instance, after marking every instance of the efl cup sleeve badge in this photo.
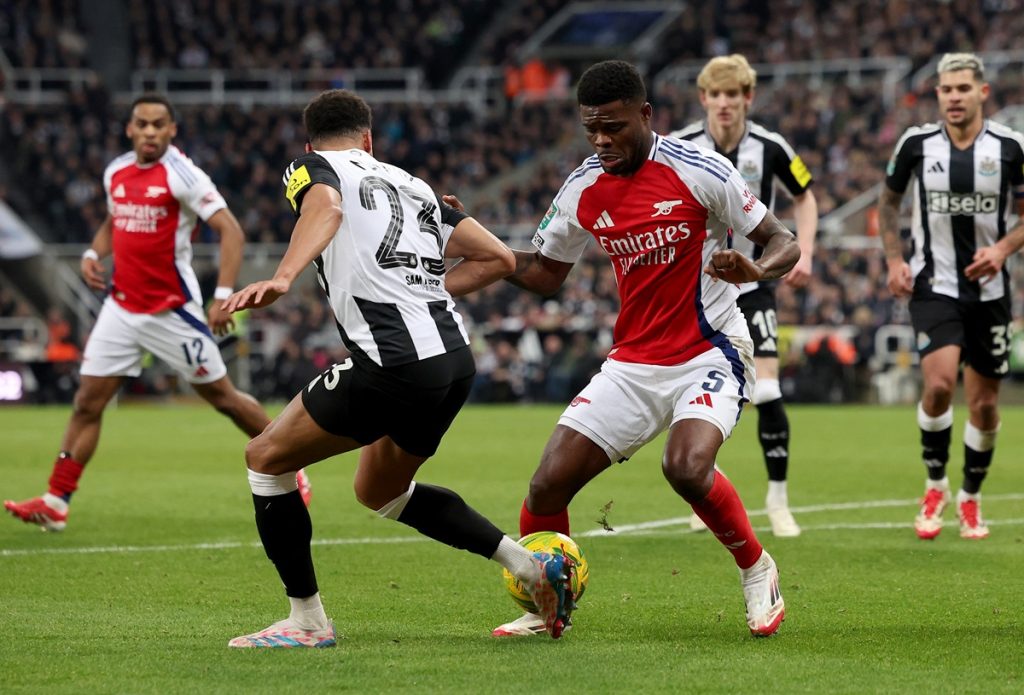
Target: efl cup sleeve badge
(548, 216)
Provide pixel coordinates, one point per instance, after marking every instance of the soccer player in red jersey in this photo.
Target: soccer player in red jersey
(155, 197)
(682, 359)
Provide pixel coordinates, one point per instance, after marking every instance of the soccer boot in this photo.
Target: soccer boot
(305, 489)
(285, 634)
(968, 508)
(782, 521)
(697, 524)
(551, 592)
(928, 522)
(526, 625)
(49, 512)
(765, 608)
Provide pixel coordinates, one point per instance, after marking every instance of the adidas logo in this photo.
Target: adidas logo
(769, 345)
(202, 371)
(936, 168)
(703, 399)
(778, 452)
(119, 191)
(604, 221)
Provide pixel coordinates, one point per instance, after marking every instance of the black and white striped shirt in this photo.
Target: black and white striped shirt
(762, 158)
(384, 270)
(962, 202)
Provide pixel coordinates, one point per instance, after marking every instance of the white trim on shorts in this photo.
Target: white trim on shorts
(626, 405)
(178, 337)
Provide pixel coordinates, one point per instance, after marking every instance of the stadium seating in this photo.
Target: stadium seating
(505, 158)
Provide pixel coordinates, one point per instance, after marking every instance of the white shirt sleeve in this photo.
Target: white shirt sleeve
(197, 191)
(559, 235)
(731, 201)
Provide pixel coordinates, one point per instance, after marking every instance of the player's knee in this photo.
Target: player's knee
(259, 456)
(938, 392)
(687, 470)
(88, 405)
(985, 409)
(546, 494)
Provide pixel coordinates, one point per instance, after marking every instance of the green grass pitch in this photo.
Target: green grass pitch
(160, 565)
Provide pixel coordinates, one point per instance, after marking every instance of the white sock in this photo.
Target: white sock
(308, 613)
(777, 494)
(517, 560)
(963, 496)
(57, 504)
(937, 484)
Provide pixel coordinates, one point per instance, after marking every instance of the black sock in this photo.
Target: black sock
(441, 514)
(976, 465)
(286, 531)
(935, 452)
(773, 431)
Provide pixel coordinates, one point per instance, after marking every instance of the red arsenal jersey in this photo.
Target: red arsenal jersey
(659, 227)
(155, 208)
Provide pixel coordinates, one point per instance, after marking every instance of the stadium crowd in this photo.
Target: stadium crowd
(530, 349)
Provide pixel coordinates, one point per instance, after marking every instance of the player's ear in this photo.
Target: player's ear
(368, 142)
(308, 147)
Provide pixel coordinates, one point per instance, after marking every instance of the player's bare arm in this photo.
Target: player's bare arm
(232, 239)
(485, 258)
(92, 269)
(316, 227)
(781, 253)
(538, 273)
(989, 260)
(900, 283)
(805, 210)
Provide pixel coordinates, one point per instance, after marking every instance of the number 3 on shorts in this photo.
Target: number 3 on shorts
(332, 376)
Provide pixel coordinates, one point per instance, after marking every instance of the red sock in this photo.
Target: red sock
(66, 472)
(725, 516)
(531, 523)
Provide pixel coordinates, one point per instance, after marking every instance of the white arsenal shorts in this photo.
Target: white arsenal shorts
(179, 337)
(626, 405)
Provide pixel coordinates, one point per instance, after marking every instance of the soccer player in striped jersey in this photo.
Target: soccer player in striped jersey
(765, 161)
(378, 237)
(155, 197)
(969, 175)
(682, 359)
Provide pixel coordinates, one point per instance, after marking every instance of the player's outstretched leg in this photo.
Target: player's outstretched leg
(765, 608)
(529, 624)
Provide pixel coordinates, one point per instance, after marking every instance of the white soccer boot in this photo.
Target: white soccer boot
(765, 608)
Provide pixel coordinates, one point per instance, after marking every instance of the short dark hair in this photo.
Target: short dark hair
(152, 98)
(336, 112)
(608, 81)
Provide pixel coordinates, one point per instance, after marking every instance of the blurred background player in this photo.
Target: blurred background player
(682, 361)
(155, 194)
(378, 237)
(970, 179)
(763, 158)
